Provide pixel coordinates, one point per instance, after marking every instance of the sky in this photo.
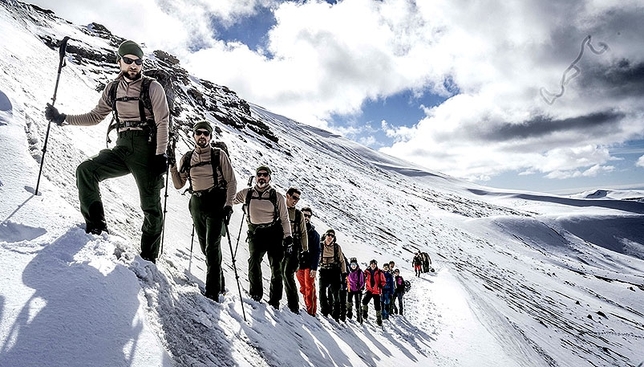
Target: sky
(506, 94)
(520, 279)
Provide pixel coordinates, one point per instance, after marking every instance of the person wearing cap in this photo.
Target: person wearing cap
(309, 264)
(212, 190)
(332, 265)
(355, 287)
(374, 282)
(300, 244)
(269, 233)
(140, 149)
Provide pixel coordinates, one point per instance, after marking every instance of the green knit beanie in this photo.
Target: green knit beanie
(130, 48)
(202, 125)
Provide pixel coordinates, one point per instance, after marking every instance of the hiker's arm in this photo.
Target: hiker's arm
(179, 179)
(240, 197)
(283, 212)
(304, 234)
(161, 115)
(229, 175)
(96, 115)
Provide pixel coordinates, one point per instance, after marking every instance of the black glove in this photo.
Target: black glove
(52, 114)
(172, 160)
(159, 164)
(288, 245)
(305, 260)
(228, 212)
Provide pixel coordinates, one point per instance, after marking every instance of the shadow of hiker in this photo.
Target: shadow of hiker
(76, 314)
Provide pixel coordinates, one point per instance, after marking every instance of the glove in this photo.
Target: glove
(159, 164)
(228, 212)
(305, 260)
(172, 161)
(288, 245)
(52, 114)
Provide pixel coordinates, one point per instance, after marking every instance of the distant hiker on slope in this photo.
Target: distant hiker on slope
(374, 281)
(140, 148)
(427, 262)
(212, 188)
(331, 275)
(417, 263)
(355, 286)
(269, 232)
(292, 252)
(309, 264)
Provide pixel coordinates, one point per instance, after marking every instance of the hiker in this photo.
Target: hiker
(309, 261)
(331, 275)
(140, 148)
(387, 291)
(355, 286)
(374, 281)
(212, 188)
(417, 262)
(399, 292)
(426, 262)
(269, 232)
(300, 244)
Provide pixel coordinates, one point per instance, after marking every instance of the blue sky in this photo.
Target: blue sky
(453, 86)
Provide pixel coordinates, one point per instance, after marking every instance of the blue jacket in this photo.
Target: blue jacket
(314, 245)
(389, 283)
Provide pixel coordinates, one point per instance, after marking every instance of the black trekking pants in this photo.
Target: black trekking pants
(262, 241)
(329, 293)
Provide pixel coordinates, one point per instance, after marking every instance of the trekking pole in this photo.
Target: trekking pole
(192, 242)
(173, 145)
(61, 51)
(250, 183)
(230, 244)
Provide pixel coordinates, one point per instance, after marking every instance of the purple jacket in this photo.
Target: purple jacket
(355, 280)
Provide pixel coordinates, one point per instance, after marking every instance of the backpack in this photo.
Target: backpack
(407, 286)
(272, 196)
(144, 100)
(297, 239)
(214, 161)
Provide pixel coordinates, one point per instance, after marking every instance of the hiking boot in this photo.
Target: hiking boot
(379, 320)
(96, 228)
(365, 312)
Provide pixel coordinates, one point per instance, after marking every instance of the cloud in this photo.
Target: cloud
(640, 162)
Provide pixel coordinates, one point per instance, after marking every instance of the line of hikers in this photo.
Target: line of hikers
(141, 115)
(422, 263)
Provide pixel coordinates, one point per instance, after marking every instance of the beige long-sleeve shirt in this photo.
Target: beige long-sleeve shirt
(303, 235)
(129, 110)
(327, 256)
(262, 211)
(201, 173)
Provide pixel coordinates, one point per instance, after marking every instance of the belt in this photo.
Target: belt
(126, 124)
(201, 193)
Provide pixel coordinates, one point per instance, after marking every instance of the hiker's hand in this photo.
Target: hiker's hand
(288, 245)
(228, 212)
(313, 272)
(172, 160)
(52, 114)
(159, 164)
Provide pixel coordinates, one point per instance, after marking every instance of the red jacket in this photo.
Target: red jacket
(374, 280)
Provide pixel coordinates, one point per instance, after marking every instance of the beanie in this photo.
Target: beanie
(203, 124)
(263, 168)
(130, 48)
(373, 262)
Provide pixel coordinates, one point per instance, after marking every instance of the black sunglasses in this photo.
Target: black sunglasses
(128, 61)
(262, 174)
(307, 215)
(202, 132)
(296, 198)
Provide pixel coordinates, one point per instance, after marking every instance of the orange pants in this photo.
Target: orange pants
(307, 288)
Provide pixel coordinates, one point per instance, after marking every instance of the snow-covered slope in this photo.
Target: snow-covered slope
(522, 278)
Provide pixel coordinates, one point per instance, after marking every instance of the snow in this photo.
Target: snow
(522, 278)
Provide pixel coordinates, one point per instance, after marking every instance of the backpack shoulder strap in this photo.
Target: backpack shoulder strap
(214, 161)
(111, 101)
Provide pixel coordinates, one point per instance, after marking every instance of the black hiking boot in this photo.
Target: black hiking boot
(96, 228)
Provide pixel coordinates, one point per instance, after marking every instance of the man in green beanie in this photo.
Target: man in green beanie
(269, 232)
(140, 148)
(212, 188)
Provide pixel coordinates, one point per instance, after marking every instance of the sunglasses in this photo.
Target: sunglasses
(262, 174)
(202, 132)
(129, 61)
(307, 215)
(296, 198)
(330, 235)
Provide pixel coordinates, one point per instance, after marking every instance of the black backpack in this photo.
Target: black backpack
(272, 196)
(144, 99)
(214, 161)
(407, 286)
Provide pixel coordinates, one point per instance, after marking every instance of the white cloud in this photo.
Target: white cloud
(640, 162)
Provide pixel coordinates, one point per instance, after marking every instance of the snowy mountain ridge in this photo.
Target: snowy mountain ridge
(522, 278)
